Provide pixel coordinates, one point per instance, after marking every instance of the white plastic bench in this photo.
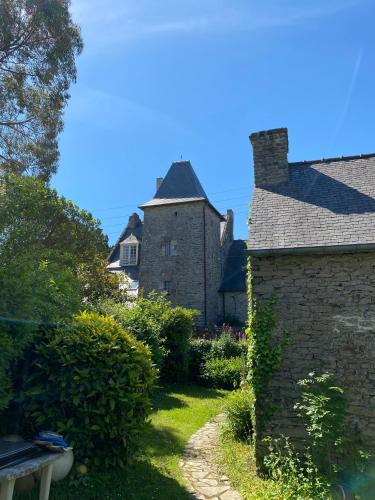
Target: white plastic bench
(44, 463)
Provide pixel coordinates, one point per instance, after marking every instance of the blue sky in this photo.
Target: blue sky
(161, 80)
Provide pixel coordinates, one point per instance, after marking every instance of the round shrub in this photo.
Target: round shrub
(238, 409)
(223, 373)
(91, 381)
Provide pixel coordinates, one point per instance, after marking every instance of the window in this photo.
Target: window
(167, 287)
(167, 249)
(129, 255)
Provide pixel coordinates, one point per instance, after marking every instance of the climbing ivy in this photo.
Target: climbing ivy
(264, 355)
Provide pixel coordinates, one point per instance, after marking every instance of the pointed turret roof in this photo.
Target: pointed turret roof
(180, 185)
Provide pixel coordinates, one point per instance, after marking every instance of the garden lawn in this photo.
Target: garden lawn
(238, 463)
(179, 411)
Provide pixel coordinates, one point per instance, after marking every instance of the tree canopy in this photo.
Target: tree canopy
(38, 46)
(52, 254)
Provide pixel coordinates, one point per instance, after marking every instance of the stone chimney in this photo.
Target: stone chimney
(230, 224)
(133, 221)
(270, 153)
(159, 180)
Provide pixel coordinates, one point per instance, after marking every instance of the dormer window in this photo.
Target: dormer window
(129, 251)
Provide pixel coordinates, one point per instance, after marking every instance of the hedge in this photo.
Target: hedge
(91, 381)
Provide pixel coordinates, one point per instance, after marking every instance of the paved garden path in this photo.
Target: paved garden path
(200, 470)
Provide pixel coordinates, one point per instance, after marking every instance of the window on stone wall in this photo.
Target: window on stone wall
(167, 249)
(167, 287)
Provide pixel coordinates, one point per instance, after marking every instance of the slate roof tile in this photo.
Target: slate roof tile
(326, 203)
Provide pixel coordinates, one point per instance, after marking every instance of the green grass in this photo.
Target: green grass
(238, 463)
(178, 412)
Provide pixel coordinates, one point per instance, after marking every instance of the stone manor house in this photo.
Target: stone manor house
(312, 245)
(184, 247)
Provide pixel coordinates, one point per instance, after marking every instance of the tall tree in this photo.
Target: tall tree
(38, 46)
(52, 254)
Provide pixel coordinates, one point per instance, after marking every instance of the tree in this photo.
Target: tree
(38, 46)
(45, 240)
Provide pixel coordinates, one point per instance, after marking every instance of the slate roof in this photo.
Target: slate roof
(327, 206)
(114, 256)
(234, 279)
(180, 185)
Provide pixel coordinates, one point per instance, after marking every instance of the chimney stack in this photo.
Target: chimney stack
(270, 153)
(133, 221)
(159, 180)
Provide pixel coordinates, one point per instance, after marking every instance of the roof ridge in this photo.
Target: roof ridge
(332, 159)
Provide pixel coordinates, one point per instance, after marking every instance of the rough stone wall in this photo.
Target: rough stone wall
(213, 265)
(184, 225)
(236, 304)
(327, 304)
(270, 153)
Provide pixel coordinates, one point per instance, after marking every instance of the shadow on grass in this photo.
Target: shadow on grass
(163, 441)
(167, 397)
(140, 481)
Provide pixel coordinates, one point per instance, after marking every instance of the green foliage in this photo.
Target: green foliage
(13, 341)
(177, 327)
(294, 475)
(323, 410)
(198, 353)
(223, 373)
(239, 409)
(33, 218)
(264, 356)
(38, 46)
(165, 329)
(91, 381)
(226, 346)
(202, 350)
(142, 318)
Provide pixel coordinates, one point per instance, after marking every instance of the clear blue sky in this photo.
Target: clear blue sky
(161, 79)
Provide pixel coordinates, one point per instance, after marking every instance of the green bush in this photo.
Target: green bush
(294, 474)
(143, 320)
(202, 350)
(198, 353)
(223, 373)
(91, 381)
(177, 327)
(14, 339)
(226, 346)
(239, 409)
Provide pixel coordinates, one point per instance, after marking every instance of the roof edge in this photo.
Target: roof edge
(332, 159)
(176, 202)
(312, 250)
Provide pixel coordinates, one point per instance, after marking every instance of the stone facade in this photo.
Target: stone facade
(184, 247)
(235, 305)
(326, 303)
(195, 229)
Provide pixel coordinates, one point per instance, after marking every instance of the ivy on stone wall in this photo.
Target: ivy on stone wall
(264, 355)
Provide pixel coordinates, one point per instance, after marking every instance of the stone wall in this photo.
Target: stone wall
(213, 265)
(185, 225)
(327, 304)
(236, 305)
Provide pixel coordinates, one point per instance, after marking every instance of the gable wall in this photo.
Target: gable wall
(327, 304)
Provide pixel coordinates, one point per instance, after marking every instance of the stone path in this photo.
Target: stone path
(199, 467)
